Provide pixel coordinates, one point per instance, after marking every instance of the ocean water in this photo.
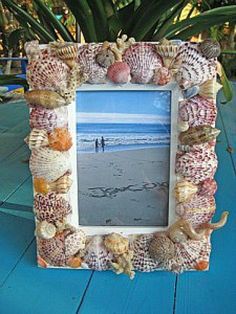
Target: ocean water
(121, 136)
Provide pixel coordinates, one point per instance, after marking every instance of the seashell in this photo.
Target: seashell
(191, 92)
(210, 48)
(198, 111)
(74, 262)
(32, 50)
(202, 265)
(183, 126)
(45, 98)
(105, 57)
(116, 243)
(67, 52)
(167, 51)
(48, 164)
(49, 73)
(191, 68)
(185, 190)
(60, 186)
(88, 64)
(46, 119)
(119, 72)
(74, 241)
(207, 188)
(60, 139)
(209, 89)
(37, 138)
(143, 61)
(198, 135)
(142, 260)
(161, 248)
(51, 208)
(45, 230)
(41, 262)
(197, 165)
(162, 76)
(96, 255)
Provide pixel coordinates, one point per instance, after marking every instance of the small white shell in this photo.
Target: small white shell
(37, 138)
(45, 230)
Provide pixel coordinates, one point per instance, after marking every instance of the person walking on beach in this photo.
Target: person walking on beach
(103, 143)
(96, 145)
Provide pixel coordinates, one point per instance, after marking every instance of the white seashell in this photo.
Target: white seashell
(37, 138)
(45, 230)
(74, 242)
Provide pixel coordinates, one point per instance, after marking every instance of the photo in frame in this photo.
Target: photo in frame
(141, 130)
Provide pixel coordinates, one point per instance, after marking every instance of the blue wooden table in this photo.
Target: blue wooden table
(26, 289)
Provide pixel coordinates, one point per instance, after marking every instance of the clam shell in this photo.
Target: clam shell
(210, 48)
(162, 76)
(167, 50)
(49, 164)
(45, 230)
(74, 241)
(60, 139)
(51, 208)
(116, 243)
(198, 135)
(45, 98)
(119, 73)
(207, 188)
(185, 190)
(198, 111)
(142, 60)
(209, 89)
(37, 138)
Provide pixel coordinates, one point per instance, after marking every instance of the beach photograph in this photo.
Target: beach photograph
(123, 155)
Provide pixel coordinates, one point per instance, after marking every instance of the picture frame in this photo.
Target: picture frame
(56, 73)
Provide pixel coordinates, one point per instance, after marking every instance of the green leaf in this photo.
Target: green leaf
(15, 37)
(13, 80)
(100, 19)
(227, 86)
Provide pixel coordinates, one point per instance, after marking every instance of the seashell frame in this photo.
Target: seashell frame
(189, 248)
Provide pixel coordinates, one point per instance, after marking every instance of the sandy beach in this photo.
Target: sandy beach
(124, 187)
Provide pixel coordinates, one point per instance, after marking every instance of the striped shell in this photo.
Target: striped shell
(207, 187)
(74, 241)
(60, 139)
(116, 243)
(45, 98)
(142, 260)
(209, 89)
(192, 67)
(198, 111)
(88, 64)
(142, 60)
(198, 135)
(60, 186)
(167, 51)
(37, 138)
(45, 230)
(49, 164)
(197, 165)
(210, 48)
(67, 52)
(51, 207)
(185, 190)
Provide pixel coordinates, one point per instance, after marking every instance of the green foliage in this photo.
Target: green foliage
(12, 80)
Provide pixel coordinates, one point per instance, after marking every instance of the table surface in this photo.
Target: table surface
(25, 288)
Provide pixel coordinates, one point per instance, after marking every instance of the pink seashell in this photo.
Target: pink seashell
(119, 72)
(162, 76)
(142, 59)
(197, 165)
(47, 119)
(207, 187)
(198, 111)
(88, 64)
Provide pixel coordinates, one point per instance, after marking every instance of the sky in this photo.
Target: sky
(123, 107)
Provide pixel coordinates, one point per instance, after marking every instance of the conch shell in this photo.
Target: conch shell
(45, 98)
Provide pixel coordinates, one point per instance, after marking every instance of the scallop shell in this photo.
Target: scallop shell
(207, 188)
(60, 186)
(209, 89)
(210, 48)
(162, 76)
(197, 165)
(37, 138)
(49, 164)
(96, 255)
(198, 135)
(191, 67)
(167, 50)
(119, 73)
(198, 111)
(74, 241)
(87, 61)
(142, 60)
(45, 98)
(45, 230)
(185, 190)
(142, 260)
(46, 119)
(60, 139)
(116, 243)
(51, 208)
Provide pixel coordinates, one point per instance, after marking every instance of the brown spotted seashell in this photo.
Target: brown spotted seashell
(143, 61)
(198, 135)
(210, 48)
(198, 111)
(45, 230)
(162, 76)
(161, 248)
(116, 243)
(207, 188)
(51, 207)
(105, 57)
(119, 72)
(37, 138)
(60, 139)
(45, 98)
(49, 164)
(74, 241)
(60, 186)
(185, 190)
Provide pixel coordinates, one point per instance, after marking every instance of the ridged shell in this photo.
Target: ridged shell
(161, 248)
(96, 255)
(51, 207)
(60, 139)
(119, 73)
(185, 190)
(45, 98)
(74, 241)
(162, 76)
(198, 135)
(60, 186)
(142, 260)
(142, 59)
(116, 243)
(87, 61)
(49, 164)
(198, 111)
(207, 188)
(46, 119)
(209, 89)
(191, 67)
(197, 165)
(67, 52)
(210, 48)
(45, 230)
(167, 50)
(37, 138)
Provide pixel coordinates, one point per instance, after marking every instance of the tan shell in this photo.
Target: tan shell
(116, 243)
(198, 135)
(45, 230)
(167, 50)
(185, 190)
(45, 98)
(183, 126)
(209, 89)
(62, 185)
(37, 138)
(161, 248)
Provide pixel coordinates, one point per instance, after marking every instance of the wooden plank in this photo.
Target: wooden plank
(215, 291)
(149, 293)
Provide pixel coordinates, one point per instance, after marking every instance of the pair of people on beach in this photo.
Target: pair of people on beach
(102, 144)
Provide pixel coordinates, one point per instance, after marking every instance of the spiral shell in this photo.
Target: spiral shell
(142, 60)
(74, 241)
(37, 138)
(198, 135)
(116, 244)
(45, 230)
(60, 139)
(45, 98)
(48, 164)
(210, 48)
(119, 73)
(161, 76)
(185, 190)
(60, 186)
(207, 188)
(67, 52)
